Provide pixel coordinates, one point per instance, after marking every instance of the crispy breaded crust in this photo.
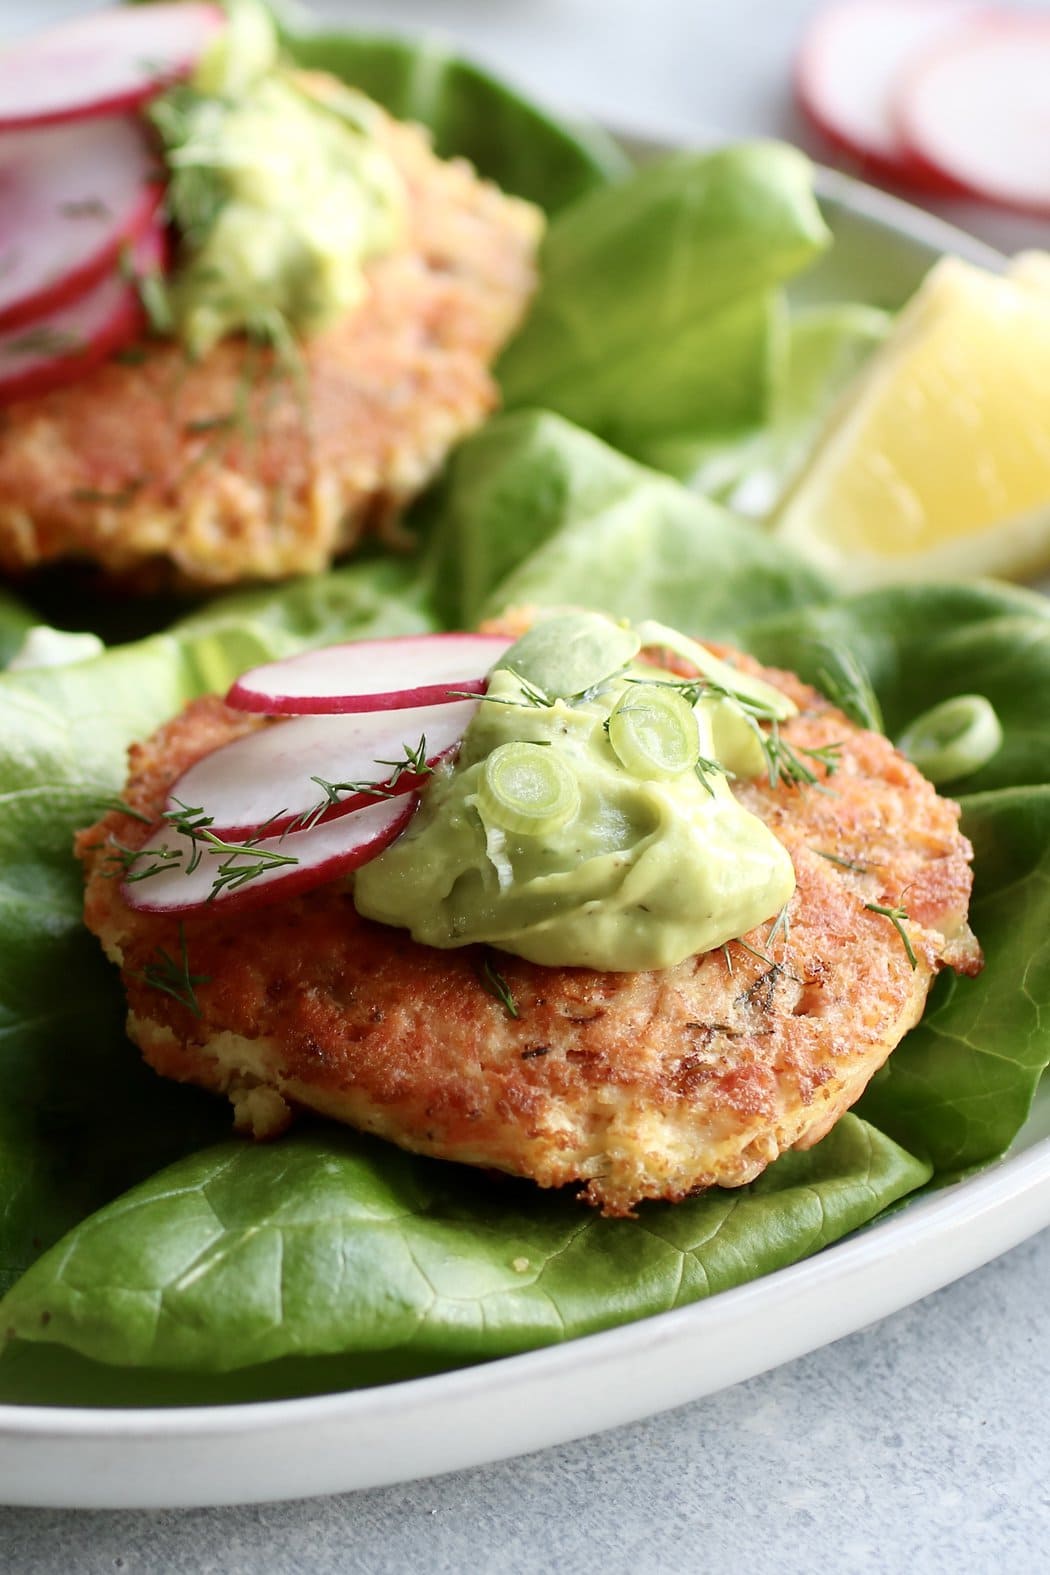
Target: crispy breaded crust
(645, 1085)
(234, 469)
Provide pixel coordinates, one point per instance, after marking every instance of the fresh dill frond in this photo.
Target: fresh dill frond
(413, 763)
(172, 976)
(845, 864)
(497, 986)
(848, 686)
(896, 917)
(121, 807)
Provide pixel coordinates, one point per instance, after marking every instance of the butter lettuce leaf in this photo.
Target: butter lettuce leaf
(330, 1242)
(526, 149)
(640, 340)
(535, 510)
(922, 644)
(16, 620)
(960, 1086)
(81, 1117)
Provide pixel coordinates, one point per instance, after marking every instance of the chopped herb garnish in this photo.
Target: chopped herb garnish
(173, 976)
(413, 764)
(896, 917)
(85, 208)
(845, 864)
(211, 424)
(122, 808)
(45, 341)
(497, 986)
(848, 686)
(118, 499)
(131, 355)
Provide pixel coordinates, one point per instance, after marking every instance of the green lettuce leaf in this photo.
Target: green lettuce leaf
(644, 343)
(824, 347)
(958, 1089)
(922, 644)
(524, 148)
(536, 510)
(16, 621)
(81, 1117)
(332, 1243)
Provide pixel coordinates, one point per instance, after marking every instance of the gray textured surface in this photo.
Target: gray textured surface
(922, 1444)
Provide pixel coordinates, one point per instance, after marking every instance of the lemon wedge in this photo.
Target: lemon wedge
(937, 459)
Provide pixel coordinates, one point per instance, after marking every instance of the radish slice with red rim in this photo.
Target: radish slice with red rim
(64, 345)
(267, 779)
(168, 878)
(372, 675)
(849, 68)
(97, 65)
(974, 110)
(70, 198)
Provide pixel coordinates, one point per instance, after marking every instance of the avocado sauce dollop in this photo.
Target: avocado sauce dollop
(626, 866)
(279, 189)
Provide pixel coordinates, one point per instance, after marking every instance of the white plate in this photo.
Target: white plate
(296, 1448)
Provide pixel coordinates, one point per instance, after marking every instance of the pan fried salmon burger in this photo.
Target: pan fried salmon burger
(601, 907)
(324, 297)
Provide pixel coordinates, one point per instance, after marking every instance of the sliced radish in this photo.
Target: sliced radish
(371, 675)
(321, 854)
(99, 64)
(267, 778)
(67, 343)
(976, 109)
(70, 198)
(848, 72)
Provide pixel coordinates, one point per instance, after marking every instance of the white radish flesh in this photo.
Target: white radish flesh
(977, 110)
(111, 60)
(265, 779)
(64, 345)
(70, 198)
(371, 675)
(849, 69)
(321, 854)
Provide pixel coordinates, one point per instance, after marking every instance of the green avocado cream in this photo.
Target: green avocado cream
(592, 829)
(279, 189)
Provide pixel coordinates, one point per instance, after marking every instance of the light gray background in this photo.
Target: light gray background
(919, 1445)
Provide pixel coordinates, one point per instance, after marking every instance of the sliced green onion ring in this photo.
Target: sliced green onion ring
(654, 732)
(953, 739)
(526, 788)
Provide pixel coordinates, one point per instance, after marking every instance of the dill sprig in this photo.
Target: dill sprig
(122, 807)
(127, 858)
(532, 697)
(706, 769)
(172, 976)
(897, 916)
(414, 764)
(784, 763)
(848, 686)
(493, 981)
(844, 864)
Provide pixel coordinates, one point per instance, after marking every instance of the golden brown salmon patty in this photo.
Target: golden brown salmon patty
(232, 468)
(640, 1085)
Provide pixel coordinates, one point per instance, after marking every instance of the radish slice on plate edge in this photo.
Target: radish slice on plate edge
(848, 69)
(100, 64)
(974, 109)
(267, 778)
(313, 857)
(429, 669)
